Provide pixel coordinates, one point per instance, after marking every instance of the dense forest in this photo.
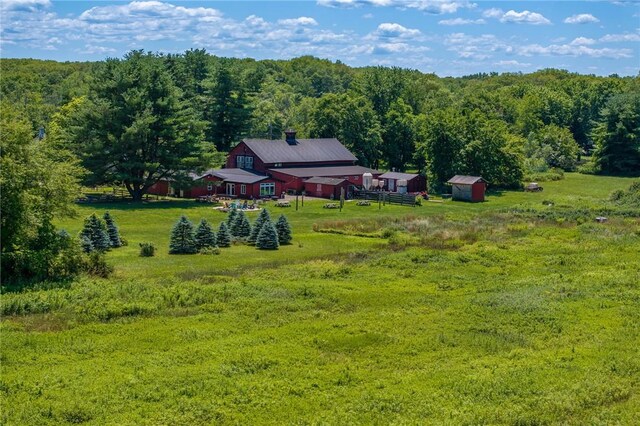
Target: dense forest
(148, 116)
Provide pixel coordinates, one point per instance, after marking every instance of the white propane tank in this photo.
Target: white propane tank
(367, 181)
(374, 183)
(402, 186)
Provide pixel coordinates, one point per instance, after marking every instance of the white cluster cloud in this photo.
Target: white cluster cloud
(572, 49)
(392, 30)
(303, 20)
(582, 18)
(428, 6)
(524, 17)
(620, 38)
(461, 21)
(23, 5)
(476, 47)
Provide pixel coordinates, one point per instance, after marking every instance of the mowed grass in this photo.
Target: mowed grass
(511, 320)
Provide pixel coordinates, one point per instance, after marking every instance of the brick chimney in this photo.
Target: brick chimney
(290, 136)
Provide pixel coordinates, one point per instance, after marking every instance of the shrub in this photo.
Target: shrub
(95, 231)
(183, 240)
(331, 206)
(257, 225)
(210, 251)
(97, 265)
(284, 230)
(224, 236)
(363, 203)
(418, 201)
(268, 237)
(205, 237)
(112, 230)
(147, 249)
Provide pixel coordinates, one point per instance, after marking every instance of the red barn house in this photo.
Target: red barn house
(257, 168)
(467, 188)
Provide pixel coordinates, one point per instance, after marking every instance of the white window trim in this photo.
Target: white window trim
(243, 189)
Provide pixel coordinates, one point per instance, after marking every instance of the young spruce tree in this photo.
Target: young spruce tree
(205, 237)
(268, 237)
(241, 228)
(183, 240)
(231, 216)
(96, 232)
(224, 237)
(284, 230)
(257, 225)
(112, 230)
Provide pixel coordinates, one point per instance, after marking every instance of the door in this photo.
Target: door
(231, 189)
(392, 185)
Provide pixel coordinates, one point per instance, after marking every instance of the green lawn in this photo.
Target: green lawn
(466, 314)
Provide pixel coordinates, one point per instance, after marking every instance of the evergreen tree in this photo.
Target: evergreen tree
(241, 228)
(257, 225)
(231, 216)
(183, 240)
(224, 236)
(284, 230)
(86, 244)
(268, 237)
(205, 237)
(112, 230)
(96, 232)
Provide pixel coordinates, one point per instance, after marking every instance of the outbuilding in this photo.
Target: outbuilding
(467, 188)
(324, 187)
(404, 182)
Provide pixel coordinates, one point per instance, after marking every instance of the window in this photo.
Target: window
(209, 186)
(319, 187)
(243, 189)
(244, 162)
(356, 177)
(267, 189)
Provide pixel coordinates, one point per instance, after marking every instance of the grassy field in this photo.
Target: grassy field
(511, 311)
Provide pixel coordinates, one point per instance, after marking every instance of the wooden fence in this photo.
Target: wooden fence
(386, 197)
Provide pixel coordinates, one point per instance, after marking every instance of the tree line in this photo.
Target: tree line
(148, 116)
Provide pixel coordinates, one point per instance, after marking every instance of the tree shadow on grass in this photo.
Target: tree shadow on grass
(144, 205)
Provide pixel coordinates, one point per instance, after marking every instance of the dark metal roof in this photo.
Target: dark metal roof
(304, 151)
(325, 171)
(398, 176)
(234, 175)
(325, 181)
(464, 180)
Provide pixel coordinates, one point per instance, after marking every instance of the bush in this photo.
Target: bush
(147, 249)
(363, 203)
(97, 265)
(284, 230)
(268, 237)
(183, 240)
(205, 237)
(210, 251)
(331, 206)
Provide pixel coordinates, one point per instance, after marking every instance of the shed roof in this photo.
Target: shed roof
(234, 175)
(465, 180)
(325, 181)
(325, 171)
(398, 176)
(304, 151)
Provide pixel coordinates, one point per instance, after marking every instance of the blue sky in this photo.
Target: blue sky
(447, 37)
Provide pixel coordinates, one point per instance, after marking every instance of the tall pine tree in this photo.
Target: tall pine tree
(183, 240)
(205, 237)
(112, 230)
